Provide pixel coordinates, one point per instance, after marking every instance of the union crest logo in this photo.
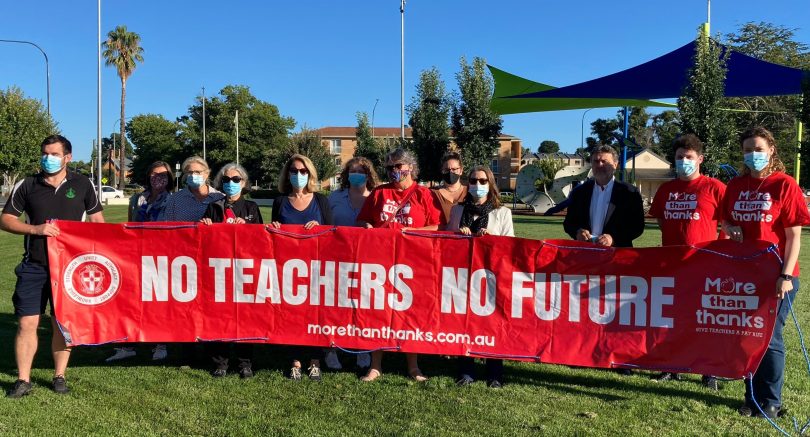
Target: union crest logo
(91, 279)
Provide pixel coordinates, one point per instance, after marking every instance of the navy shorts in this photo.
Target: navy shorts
(33, 289)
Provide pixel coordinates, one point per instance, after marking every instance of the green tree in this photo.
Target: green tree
(475, 126)
(155, 139)
(24, 123)
(548, 146)
(665, 128)
(308, 142)
(605, 131)
(429, 112)
(373, 149)
(123, 51)
(549, 166)
(702, 105)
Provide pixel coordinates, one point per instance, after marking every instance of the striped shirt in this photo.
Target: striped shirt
(182, 206)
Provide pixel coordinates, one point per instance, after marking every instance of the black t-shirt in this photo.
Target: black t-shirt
(242, 208)
(41, 202)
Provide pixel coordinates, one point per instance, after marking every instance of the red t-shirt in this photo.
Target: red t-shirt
(420, 209)
(763, 208)
(688, 210)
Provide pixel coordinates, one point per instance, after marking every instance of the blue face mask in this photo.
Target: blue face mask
(685, 167)
(299, 180)
(478, 191)
(194, 180)
(50, 164)
(357, 179)
(756, 161)
(231, 188)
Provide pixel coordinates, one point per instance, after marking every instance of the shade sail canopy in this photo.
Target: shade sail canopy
(661, 78)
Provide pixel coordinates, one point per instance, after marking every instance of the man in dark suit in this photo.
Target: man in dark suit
(605, 211)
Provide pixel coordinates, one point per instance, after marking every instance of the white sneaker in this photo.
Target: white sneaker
(332, 360)
(363, 360)
(121, 353)
(159, 352)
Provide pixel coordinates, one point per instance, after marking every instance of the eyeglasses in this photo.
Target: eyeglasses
(483, 181)
(236, 179)
(397, 166)
(196, 172)
(301, 171)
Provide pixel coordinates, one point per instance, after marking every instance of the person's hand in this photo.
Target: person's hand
(735, 233)
(482, 232)
(310, 224)
(605, 240)
(239, 221)
(276, 225)
(206, 221)
(783, 287)
(584, 235)
(465, 230)
(46, 229)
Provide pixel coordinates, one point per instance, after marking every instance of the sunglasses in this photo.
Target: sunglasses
(236, 179)
(397, 166)
(479, 181)
(301, 171)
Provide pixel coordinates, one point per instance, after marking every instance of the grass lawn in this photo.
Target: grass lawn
(139, 398)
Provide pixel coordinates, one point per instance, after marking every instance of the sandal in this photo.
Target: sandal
(417, 375)
(371, 375)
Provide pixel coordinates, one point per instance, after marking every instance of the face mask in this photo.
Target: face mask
(50, 164)
(398, 175)
(299, 180)
(357, 179)
(685, 167)
(450, 178)
(194, 180)
(479, 191)
(231, 188)
(756, 160)
(158, 181)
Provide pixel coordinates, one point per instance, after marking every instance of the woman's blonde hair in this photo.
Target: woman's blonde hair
(775, 163)
(284, 185)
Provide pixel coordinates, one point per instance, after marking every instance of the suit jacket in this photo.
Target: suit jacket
(624, 220)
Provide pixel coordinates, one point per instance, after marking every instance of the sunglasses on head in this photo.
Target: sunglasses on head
(479, 181)
(397, 166)
(301, 171)
(236, 179)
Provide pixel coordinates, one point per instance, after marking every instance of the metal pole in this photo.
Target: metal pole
(203, 96)
(98, 104)
(47, 69)
(372, 117)
(237, 136)
(582, 130)
(708, 13)
(402, 71)
(799, 129)
(625, 133)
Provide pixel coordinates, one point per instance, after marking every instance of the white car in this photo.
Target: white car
(108, 192)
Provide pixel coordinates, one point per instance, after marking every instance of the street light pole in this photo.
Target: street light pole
(98, 104)
(582, 130)
(47, 69)
(203, 116)
(372, 117)
(402, 71)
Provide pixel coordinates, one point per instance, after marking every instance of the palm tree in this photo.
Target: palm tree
(122, 50)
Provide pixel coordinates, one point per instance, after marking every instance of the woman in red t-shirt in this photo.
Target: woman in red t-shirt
(766, 204)
(399, 204)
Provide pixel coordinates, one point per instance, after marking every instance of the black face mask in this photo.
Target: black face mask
(450, 178)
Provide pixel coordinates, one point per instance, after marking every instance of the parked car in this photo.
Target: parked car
(135, 188)
(108, 192)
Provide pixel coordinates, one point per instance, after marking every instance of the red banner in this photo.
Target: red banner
(706, 310)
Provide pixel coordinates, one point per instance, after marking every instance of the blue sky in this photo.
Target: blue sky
(322, 61)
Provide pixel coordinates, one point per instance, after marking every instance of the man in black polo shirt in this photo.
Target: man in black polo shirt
(54, 193)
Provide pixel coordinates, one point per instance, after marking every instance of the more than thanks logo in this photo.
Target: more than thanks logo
(91, 279)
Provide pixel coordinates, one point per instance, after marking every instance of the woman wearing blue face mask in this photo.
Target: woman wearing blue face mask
(301, 203)
(190, 203)
(233, 208)
(764, 203)
(481, 213)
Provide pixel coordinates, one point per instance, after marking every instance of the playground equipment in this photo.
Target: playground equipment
(560, 188)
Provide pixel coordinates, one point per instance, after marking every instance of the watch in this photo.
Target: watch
(786, 277)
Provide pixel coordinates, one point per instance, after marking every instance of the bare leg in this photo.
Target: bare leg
(61, 353)
(413, 367)
(25, 345)
(375, 371)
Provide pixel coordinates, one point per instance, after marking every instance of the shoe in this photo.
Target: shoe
(363, 361)
(60, 385)
(20, 389)
(121, 353)
(495, 384)
(711, 382)
(745, 410)
(295, 371)
(371, 375)
(625, 372)
(417, 375)
(219, 373)
(771, 412)
(464, 381)
(667, 376)
(159, 352)
(245, 373)
(332, 361)
(314, 370)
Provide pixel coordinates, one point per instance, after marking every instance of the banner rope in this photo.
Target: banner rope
(657, 368)
(213, 340)
(360, 352)
(159, 227)
(117, 340)
(750, 381)
(772, 248)
(273, 230)
(453, 236)
(504, 356)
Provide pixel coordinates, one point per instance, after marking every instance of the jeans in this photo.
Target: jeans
(770, 375)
